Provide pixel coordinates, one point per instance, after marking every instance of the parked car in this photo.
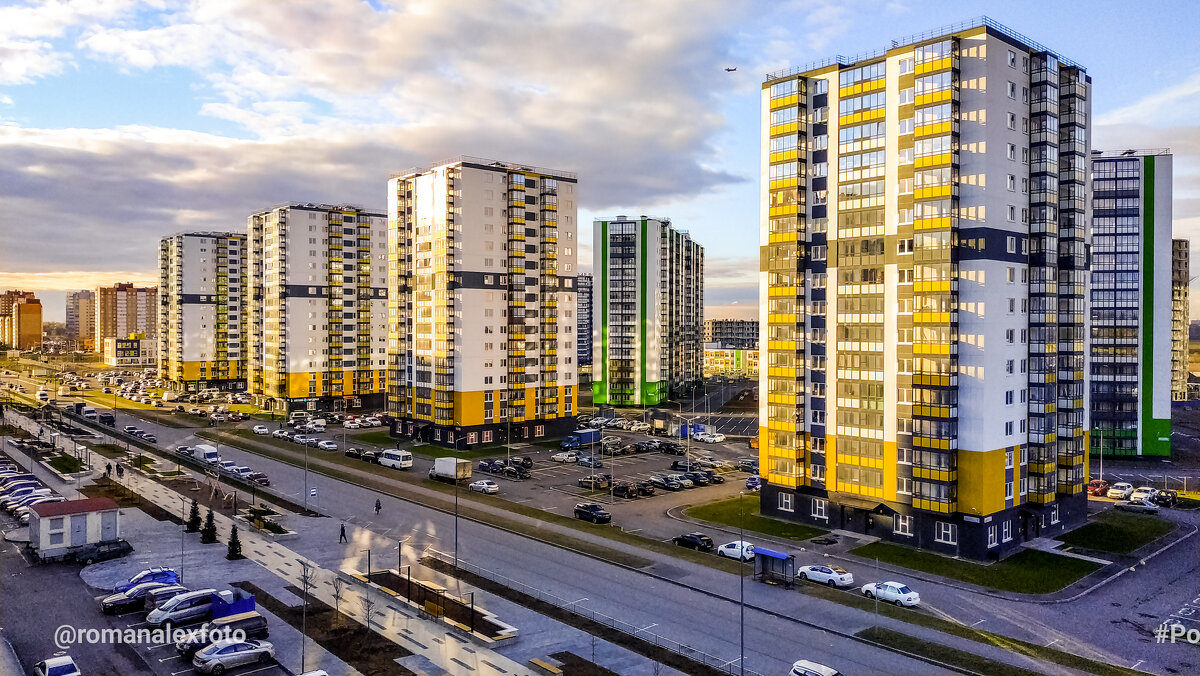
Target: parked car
(1120, 491)
(738, 549)
(517, 472)
(261, 429)
(185, 450)
(300, 439)
(645, 488)
(624, 490)
(713, 477)
(565, 456)
(130, 599)
(829, 575)
(351, 425)
(590, 511)
(251, 623)
(685, 465)
(103, 551)
(698, 541)
(183, 608)
(683, 480)
(807, 668)
(259, 478)
(1097, 487)
(524, 461)
(1166, 498)
(891, 592)
(149, 438)
(665, 483)
(1142, 493)
(281, 434)
(485, 486)
(149, 575)
(698, 478)
(592, 482)
(223, 655)
(1142, 506)
(62, 665)
(156, 597)
(715, 438)
(370, 456)
(753, 483)
(327, 445)
(590, 461)
(490, 466)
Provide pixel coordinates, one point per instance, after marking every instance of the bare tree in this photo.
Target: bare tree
(306, 583)
(368, 606)
(339, 588)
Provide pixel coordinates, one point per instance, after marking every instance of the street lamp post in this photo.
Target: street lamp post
(457, 460)
(182, 530)
(742, 580)
(368, 551)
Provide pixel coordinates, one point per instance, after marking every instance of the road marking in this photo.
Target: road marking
(979, 622)
(1135, 666)
(1048, 644)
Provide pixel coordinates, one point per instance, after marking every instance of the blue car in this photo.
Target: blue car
(165, 575)
(753, 483)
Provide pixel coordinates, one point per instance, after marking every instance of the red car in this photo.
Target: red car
(1097, 487)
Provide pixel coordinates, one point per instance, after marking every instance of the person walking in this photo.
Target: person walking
(378, 506)
(343, 536)
(107, 469)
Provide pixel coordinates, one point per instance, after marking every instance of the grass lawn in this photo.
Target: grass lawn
(434, 451)
(730, 513)
(379, 437)
(111, 451)
(1027, 572)
(1117, 532)
(66, 464)
(961, 658)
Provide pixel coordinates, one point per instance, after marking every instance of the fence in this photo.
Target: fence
(575, 607)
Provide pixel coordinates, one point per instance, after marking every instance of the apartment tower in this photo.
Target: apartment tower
(919, 204)
(317, 298)
(20, 320)
(81, 318)
(482, 267)
(1180, 311)
(583, 330)
(739, 334)
(123, 310)
(648, 313)
(202, 332)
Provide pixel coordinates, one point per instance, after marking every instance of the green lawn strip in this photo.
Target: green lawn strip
(432, 451)
(143, 462)
(1029, 571)
(942, 653)
(1117, 532)
(66, 464)
(742, 512)
(111, 451)
(14, 432)
(375, 437)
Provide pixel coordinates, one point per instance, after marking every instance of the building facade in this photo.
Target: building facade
(1132, 318)
(81, 319)
(1180, 312)
(482, 259)
(647, 311)
(919, 204)
(317, 320)
(202, 332)
(741, 334)
(729, 362)
(583, 324)
(20, 320)
(133, 351)
(125, 309)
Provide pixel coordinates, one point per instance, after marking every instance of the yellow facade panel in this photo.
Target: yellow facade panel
(981, 481)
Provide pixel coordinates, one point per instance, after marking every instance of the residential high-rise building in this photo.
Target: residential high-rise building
(1131, 303)
(920, 203)
(317, 321)
(123, 310)
(20, 320)
(737, 334)
(730, 362)
(583, 324)
(203, 334)
(81, 318)
(648, 311)
(1180, 311)
(481, 305)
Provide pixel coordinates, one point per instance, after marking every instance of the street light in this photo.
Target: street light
(182, 530)
(368, 551)
(400, 552)
(742, 580)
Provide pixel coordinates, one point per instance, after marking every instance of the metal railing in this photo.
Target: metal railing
(576, 608)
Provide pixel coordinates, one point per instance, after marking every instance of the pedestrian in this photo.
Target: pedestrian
(378, 506)
(120, 471)
(108, 469)
(343, 535)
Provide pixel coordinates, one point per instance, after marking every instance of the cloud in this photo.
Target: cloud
(28, 33)
(73, 280)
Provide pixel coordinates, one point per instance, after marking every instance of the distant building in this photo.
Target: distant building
(583, 322)
(1133, 319)
(733, 333)
(720, 360)
(1180, 309)
(203, 334)
(20, 320)
(648, 310)
(135, 351)
(124, 309)
(317, 320)
(81, 319)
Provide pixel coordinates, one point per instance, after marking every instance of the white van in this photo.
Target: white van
(396, 459)
(207, 454)
(89, 413)
(43, 396)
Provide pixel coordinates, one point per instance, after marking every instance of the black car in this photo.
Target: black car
(525, 461)
(186, 450)
(645, 488)
(647, 445)
(685, 466)
(590, 511)
(130, 599)
(665, 483)
(698, 478)
(369, 456)
(1165, 498)
(713, 477)
(103, 551)
(353, 452)
(697, 541)
(259, 478)
(487, 466)
(517, 472)
(625, 491)
(592, 482)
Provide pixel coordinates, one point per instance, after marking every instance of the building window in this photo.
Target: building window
(1008, 396)
(904, 485)
(1008, 428)
(992, 537)
(902, 525)
(1012, 59)
(1054, 514)
(472, 437)
(818, 508)
(1006, 531)
(1012, 90)
(1012, 152)
(1008, 485)
(487, 436)
(785, 502)
(817, 472)
(539, 431)
(946, 533)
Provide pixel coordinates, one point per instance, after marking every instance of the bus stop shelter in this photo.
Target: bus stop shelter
(774, 567)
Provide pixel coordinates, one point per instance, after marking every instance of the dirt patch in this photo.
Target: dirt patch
(125, 498)
(601, 631)
(351, 642)
(574, 665)
(14, 432)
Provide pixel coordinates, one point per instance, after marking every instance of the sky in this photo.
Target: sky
(122, 121)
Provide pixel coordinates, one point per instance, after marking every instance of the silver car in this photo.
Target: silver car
(224, 655)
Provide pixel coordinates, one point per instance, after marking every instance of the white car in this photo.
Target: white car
(485, 486)
(327, 446)
(1120, 491)
(372, 422)
(57, 666)
(261, 429)
(565, 456)
(279, 434)
(892, 592)
(701, 436)
(351, 425)
(806, 668)
(830, 575)
(716, 438)
(738, 549)
(1142, 494)
(639, 426)
(300, 439)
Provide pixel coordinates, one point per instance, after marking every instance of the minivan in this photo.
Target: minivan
(157, 597)
(396, 459)
(89, 413)
(252, 623)
(189, 607)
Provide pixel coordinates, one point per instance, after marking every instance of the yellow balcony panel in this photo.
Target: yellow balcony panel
(934, 474)
(931, 411)
(933, 97)
(931, 379)
(933, 506)
(783, 480)
(785, 183)
(778, 426)
(781, 319)
(782, 291)
(1070, 460)
(785, 210)
(931, 349)
(941, 223)
(935, 129)
(933, 66)
(1040, 498)
(781, 344)
(784, 156)
(932, 193)
(787, 399)
(929, 442)
(785, 101)
(938, 160)
(1070, 489)
(786, 128)
(939, 286)
(785, 237)
(931, 317)
(782, 371)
